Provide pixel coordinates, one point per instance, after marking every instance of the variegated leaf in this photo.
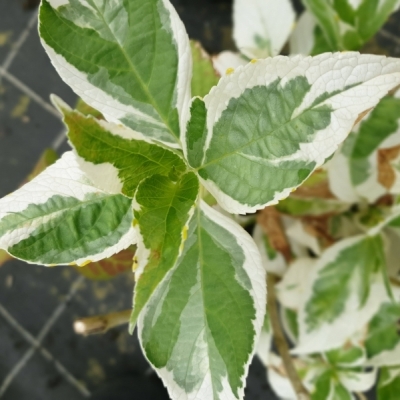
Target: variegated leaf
(128, 59)
(346, 288)
(368, 165)
(200, 328)
(389, 384)
(47, 158)
(383, 340)
(116, 158)
(266, 127)
(163, 209)
(61, 218)
(262, 27)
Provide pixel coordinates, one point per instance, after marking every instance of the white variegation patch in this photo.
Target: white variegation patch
(227, 62)
(388, 358)
(358, 381)
(65, 179)
(262, 27)
(292, 288)
(302, 39)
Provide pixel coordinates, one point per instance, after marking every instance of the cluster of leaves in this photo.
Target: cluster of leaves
(339, 288)
(157, 139)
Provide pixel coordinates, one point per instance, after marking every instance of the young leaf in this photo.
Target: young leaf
(61, 218)
(348, 356)
(368, 165)
(109, 268)
(329, 388)
(348, 24)
(200, 328)
(266, 127)
(128, 59)
(115, 158)
(389, 384)
(345, 290)
(162, 212)
(262, 27)
(204, 74)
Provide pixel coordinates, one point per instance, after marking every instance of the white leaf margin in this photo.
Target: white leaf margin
(63, 178)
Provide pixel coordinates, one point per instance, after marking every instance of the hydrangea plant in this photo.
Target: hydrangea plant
(165, 156)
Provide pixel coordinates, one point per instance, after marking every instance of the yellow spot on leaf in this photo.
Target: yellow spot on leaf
(230, 71)
(86, 263)
(253, 61)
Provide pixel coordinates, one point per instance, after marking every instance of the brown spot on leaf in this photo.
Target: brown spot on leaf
(386, 172)
(271, 224)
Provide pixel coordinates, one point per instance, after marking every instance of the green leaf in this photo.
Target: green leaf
(366, 165)
(61, 218)
(201, 325)
(115, 158)
(347, 356)
(128, 59)
(266, 127)
(262, 27)
(346, 289)
(302, 206)
(204, 75)
(162, 213)
(85, 109)
(327, 17)
(348, 25)
(383, 335)
(389, 384)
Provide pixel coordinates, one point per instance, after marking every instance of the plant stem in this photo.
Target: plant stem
(101, 323)
(361, 396)
(281, 343)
